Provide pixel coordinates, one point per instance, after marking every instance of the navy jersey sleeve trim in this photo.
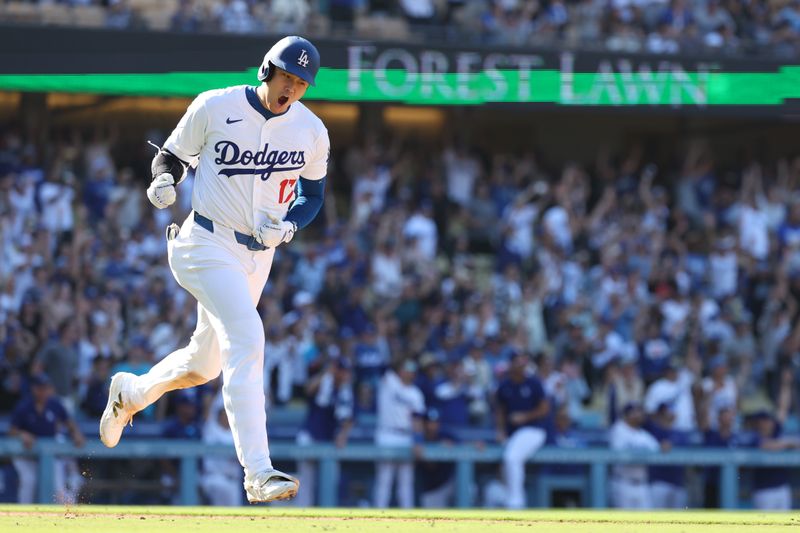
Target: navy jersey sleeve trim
(309, 195)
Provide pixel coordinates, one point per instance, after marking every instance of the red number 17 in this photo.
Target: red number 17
(286, 193)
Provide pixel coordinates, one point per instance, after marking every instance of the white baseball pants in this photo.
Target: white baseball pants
(773, 499)
(668, 496)
(222, 490)
(520, 446)
(66, 479)
(440, 498)
(227, 280)
(627, 494)
(386, 470)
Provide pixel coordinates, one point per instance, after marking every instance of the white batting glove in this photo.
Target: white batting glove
(161, 191)
(275, 232)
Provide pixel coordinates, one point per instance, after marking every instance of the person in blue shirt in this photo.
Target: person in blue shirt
(723, 437)
(371, 356)
(41, 415)
(183, 425)
(564, 436)
(96, 395)
(437, 478)
(429, 377)
(453, 396)
(667, 483)
(772, 490)
(330, 415)
(521, 416)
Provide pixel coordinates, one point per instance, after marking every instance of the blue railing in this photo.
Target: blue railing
(597, 461)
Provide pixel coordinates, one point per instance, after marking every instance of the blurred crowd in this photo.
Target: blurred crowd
(721, 27)
(629, 293)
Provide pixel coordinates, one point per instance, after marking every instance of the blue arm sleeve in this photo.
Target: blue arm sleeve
(309, 195)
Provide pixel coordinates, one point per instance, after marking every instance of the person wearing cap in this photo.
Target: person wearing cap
(630, 488)
(772, 489)
(42, 415)
(260, 160)
(667, 483)
(521, 416)
(437, 478)
(452, 397)
(719, 433)
(329, 419)
(400, 408)
(674, 388)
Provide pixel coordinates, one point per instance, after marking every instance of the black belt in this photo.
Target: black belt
(246, 240)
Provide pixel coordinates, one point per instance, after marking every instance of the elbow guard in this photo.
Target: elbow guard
(166, 162)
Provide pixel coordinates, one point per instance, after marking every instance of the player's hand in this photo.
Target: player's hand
(28, 440)
(161, 191)
(519, 418)
(419, 452)
(275, 232)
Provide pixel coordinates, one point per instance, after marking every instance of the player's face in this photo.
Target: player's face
(284, 90)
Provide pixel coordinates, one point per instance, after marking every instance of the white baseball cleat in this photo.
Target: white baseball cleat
(271, 485)
(118, 412)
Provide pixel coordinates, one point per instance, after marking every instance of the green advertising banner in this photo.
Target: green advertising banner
(130, 63)
(666, 88)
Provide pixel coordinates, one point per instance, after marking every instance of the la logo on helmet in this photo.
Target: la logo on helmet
(303, 59)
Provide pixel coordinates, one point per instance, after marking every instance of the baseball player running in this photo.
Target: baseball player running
(261, 160)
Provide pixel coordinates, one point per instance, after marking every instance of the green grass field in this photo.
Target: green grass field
(51, 518)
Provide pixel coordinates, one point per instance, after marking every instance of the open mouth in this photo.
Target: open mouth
(282, 100)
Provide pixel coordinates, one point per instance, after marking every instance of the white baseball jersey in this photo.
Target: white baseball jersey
(397, 404)
(624, 437)
(248, 160)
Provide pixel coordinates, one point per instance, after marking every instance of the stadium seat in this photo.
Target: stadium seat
(89, 16)
(21, 12)
(58, 14)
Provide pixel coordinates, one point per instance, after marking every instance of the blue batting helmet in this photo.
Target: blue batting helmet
(294, 55)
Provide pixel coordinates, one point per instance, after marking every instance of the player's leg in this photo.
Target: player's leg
(680, 498)
(26, 473)
(384, 478)
(660, 493)
(194, 364)
(405, 485)
(520, 446)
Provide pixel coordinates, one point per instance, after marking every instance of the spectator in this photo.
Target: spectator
(630, 488)
(183, 425)
(186, 19)
(60, 359)
(667, 483)
(771, 486)
(719, 389)
(675, 390)
(43, 416)
(96, 395)
(437, 478)
(222, 477)
(453, 396)
(400, 406)
(330, 417)
(522, 411)
(724, 436)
